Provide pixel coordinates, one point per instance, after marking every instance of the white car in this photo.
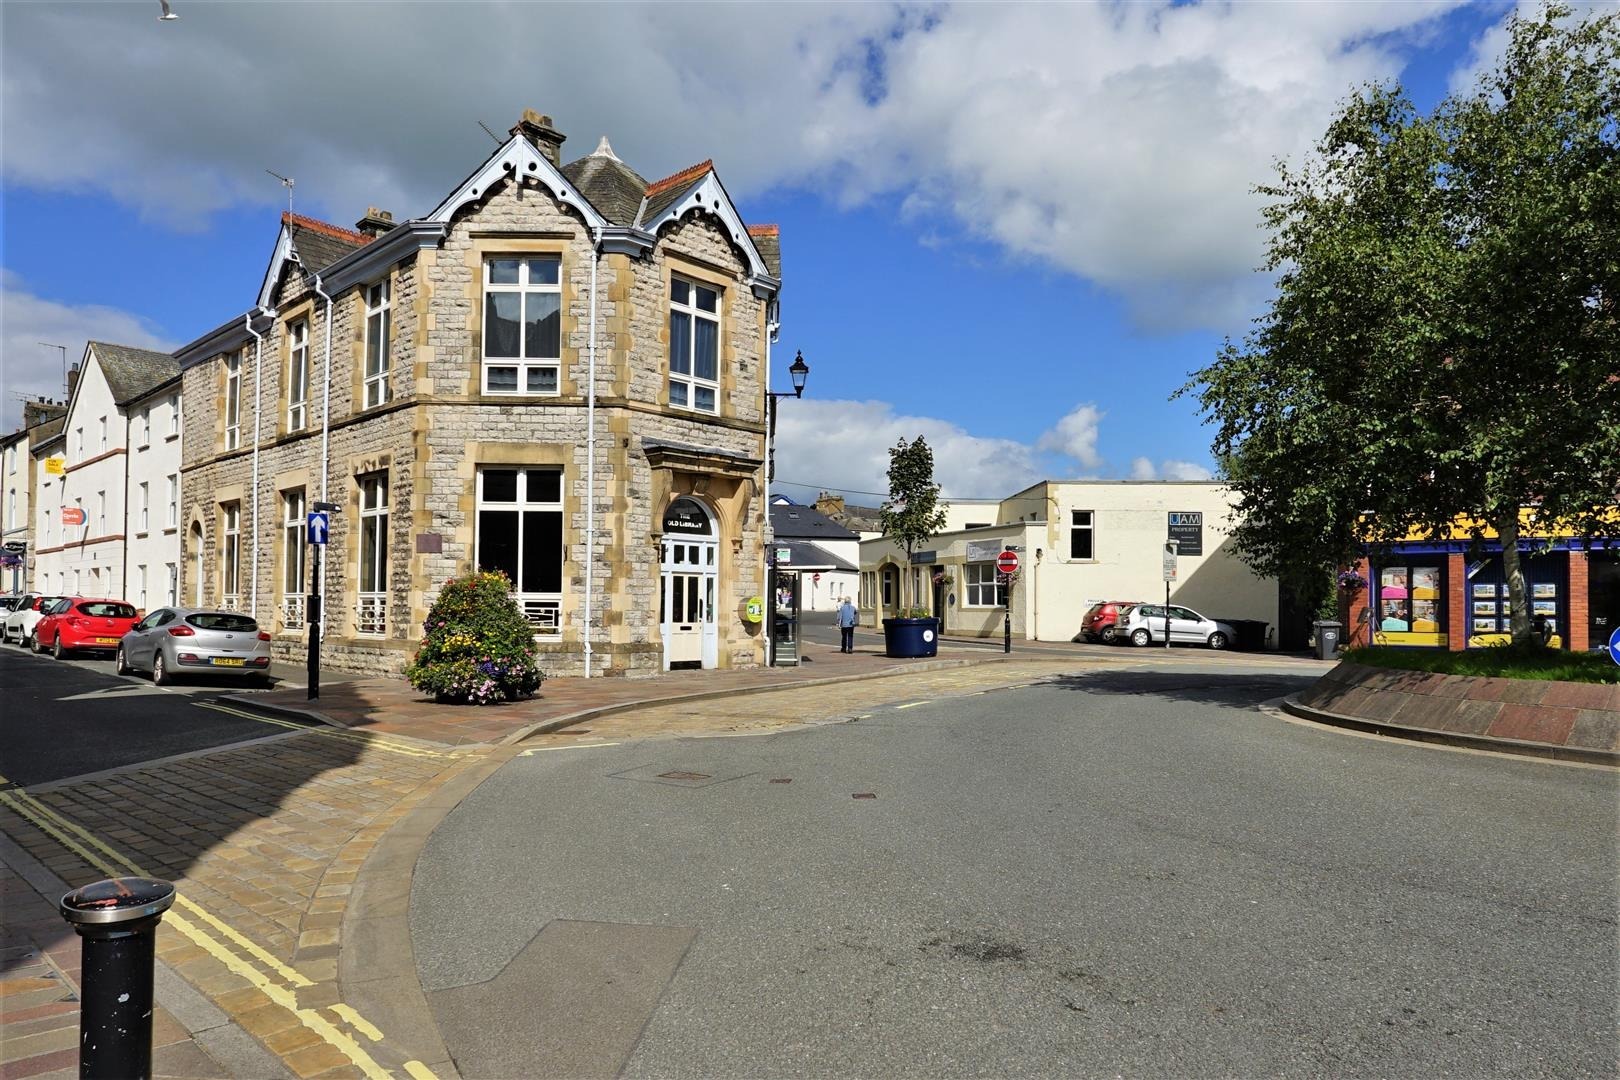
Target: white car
(19, 624)
(1144, 625)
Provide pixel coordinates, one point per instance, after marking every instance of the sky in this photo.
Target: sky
(1012, 229)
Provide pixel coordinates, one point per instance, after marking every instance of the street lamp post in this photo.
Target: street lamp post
(798, 371)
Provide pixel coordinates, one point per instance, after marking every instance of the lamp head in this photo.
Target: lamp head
(798, 371)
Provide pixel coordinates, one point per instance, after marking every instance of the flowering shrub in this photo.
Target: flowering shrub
(477, 647)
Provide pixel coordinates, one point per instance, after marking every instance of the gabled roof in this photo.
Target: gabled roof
(662, 194)
(806, 523)
(809, 556)
(516, 157)
(312, 244)
(132, 372)
(612, 187)
(768, 239)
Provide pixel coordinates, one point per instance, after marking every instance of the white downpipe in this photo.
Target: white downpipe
(768, 587)
(590, 459)
(258, 408)
(326, 436)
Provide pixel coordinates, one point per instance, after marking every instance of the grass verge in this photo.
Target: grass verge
(1499, 661)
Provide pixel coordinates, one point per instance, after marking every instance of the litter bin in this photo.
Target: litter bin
(1327, 639)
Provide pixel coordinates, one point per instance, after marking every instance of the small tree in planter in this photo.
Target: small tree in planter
(478, 648)
(912, 515)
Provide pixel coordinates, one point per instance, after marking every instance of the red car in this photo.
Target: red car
(1102, 618)
(84, 624)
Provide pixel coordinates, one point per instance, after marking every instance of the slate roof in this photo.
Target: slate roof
(806, 523)
(662, 194)
(132, 372)
(608, 184)
(49, 431)
(320, 244)
(768, 242)
(862, 518)
(808, 556)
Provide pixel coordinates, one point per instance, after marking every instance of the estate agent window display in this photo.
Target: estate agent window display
(1410, 605)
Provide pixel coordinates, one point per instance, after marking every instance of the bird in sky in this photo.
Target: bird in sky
(167, 16)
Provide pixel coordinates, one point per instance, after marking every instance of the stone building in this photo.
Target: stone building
(558, 372)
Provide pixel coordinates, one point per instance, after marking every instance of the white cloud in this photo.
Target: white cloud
(844, 446)
(1119, 142)
(1142, 468)
(1075, 436)
(26, 320)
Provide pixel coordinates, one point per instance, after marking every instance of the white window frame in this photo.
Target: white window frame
(174, 415)
(980, 582)
(230, 554)
(145, 505)
(543, 609)
(102, 427)
(372, 616)
(101, 513)
(294, 536)
(524, 363)
(379, 337)
(233, 401)
(174, 584)
(140, 586)
(684, 385)
(1083, 522)
(173, 520)
(78, 444)
(297, 374)
(146, 426)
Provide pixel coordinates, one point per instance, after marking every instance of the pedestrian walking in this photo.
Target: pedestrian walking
(846, 626)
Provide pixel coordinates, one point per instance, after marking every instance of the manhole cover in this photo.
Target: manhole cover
(686, 778)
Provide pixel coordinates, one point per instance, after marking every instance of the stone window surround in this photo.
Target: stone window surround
(233, 399)
(673, 265)
(482, 248)
(695, 314)
(292, 553)
(295, 415)
(375, 389)
(523, 288)
(526, 501)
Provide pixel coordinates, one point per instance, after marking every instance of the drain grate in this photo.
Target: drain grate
(678, 775)
(864, 795)
(781, 780)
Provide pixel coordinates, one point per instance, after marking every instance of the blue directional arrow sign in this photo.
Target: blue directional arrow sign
(317, 526)
(1614, 645)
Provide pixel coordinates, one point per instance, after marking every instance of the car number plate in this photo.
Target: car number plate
(227, 661)
(106, 641)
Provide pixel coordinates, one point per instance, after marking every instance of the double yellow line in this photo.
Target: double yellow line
(341, 734)
(277, 981)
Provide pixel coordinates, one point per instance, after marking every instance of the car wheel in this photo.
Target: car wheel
(1109, 634)
(31, 642)
(160, 673)
(1140, 637)
(57, 650)
(1217, 640)
(120, 665)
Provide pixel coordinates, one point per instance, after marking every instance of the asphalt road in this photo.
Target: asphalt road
(65, 718)
(1126, 873)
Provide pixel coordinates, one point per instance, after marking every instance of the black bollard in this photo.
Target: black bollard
(117, 921)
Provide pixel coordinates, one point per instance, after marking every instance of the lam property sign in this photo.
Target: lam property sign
(1187, 530)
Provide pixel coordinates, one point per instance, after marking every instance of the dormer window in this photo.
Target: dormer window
(522, 325)
(694, 345)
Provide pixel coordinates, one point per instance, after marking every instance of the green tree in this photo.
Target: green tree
(1443, 344)
(914, 512)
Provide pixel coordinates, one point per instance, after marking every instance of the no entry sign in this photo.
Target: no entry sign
(1007, 562)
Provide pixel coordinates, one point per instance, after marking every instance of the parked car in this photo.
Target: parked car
(9, 603)
(81, 623)
(1101, 619)
(19, 623)
(174, 641)
(1144, 625)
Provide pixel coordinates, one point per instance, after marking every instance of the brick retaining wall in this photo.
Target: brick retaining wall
(1582, 717)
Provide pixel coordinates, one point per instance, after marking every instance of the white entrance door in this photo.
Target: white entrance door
(689, 569)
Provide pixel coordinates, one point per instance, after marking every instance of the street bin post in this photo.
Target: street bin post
(116, 921)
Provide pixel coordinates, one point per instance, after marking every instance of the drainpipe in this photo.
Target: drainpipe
(767, 535)
(590, 459)
(258, 409)
(326, 435)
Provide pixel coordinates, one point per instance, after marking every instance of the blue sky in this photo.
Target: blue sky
(1013, 229)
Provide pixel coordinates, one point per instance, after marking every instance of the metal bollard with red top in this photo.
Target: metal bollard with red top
(117, 922)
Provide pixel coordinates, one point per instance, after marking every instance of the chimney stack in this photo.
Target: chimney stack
(537, 128)
(73, 380)
(375, 223)
(36, 413)
(830, 504)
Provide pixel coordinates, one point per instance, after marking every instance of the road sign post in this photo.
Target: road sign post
(1170, 548)
(317, 525)
(1007, 567)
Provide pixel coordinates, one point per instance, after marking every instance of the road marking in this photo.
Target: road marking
(329, 732)
(61, 830)
(419, 1071)
(358, 1022)
(531, 751)
(911, 704)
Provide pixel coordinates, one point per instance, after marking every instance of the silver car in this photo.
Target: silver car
(1144, 625)
(174, 641)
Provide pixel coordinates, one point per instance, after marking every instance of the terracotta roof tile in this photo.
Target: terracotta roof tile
(679, 178)
(764, 230)
(336, 232)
